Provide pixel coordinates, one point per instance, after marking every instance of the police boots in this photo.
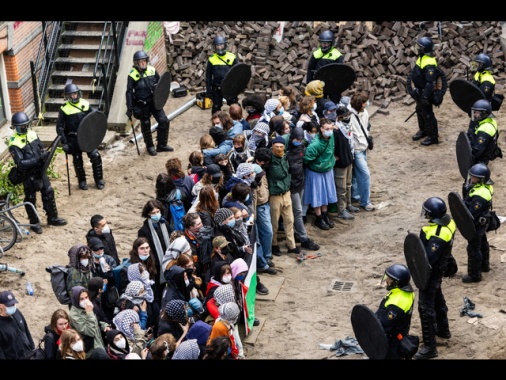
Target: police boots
(430, 140)
(52, 214)
(428, 349)
(96, 165)
(162, 136)
(34, 220)
(148, 140)
(81, 174)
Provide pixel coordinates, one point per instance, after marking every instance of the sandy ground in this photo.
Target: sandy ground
(306, 307)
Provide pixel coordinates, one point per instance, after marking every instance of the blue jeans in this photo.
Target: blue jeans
(264, 235)
(361, 183)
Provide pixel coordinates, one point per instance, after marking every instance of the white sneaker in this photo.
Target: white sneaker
(369, 207)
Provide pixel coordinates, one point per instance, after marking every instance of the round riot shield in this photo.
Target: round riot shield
(461, 216)
(369, 332)
(236, 80)
(162, 91)
(464, 94)
(417, 261)
(91, 131)
(337, 77)
(464, 153)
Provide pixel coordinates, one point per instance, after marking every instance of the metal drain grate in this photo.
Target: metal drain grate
(342, 286)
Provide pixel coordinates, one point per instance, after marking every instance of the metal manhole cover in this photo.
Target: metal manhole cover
(341, 286)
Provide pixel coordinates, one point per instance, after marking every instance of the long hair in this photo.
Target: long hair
(67, 339)
(149, 264)
(164, 185)
(207, 200)
(58, 313)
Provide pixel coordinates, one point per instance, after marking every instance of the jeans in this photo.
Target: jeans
(298, 223)
(361, 183)
(264, 235)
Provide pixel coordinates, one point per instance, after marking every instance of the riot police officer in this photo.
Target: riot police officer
(478, 193)
(481, 66)
(29, 157)
(325, 54)
(396, 308)
(437, 238)
(142, 80)
(483, 132)
(70, 116)
(218, 65)
(423, 76)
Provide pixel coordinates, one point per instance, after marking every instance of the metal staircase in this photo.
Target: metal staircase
(86, 54)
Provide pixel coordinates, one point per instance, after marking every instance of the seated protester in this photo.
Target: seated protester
(240, 152)
(174, 320)
(210, 149)
(225, 166)
(176, 287)
(225, 222)
(71, 346)
(196, 286)
(217, 349)
(117, 345)
(134, 298)
(95, 289)
(235, 112)
(127, 322)
(52, 333)
(225, 326)
(212, 177)
(221, 274)
(163, 347)
(100, 229)
(260, 136)
(254, 107)
(196, 168)
(200, 331)
(182, 181)
(187, 350)
(80, 264)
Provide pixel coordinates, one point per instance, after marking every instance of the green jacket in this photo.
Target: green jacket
(319, 155)
(278, 175)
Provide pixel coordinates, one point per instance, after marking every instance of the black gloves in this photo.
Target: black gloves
(65, 148)
(129, 113)
(424, 102)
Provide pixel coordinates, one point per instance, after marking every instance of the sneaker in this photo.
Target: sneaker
(261, 289)
(270, 263)
(369, 207)
(267, 270)
(294, 250)
(276, 251)
(311, 245)
(345, 215)
(352, 208)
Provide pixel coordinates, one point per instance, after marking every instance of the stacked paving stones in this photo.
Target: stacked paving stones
(381, 52)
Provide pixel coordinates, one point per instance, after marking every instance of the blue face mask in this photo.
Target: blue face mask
(143, 258)
(97, 256)
(247, 198)
(328, 133)
(156, 217)
(231, 223)
(296, 143)
(10, 310)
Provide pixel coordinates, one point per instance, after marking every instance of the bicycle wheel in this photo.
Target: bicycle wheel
(8, 233)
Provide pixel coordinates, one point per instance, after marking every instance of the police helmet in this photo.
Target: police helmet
(328, 37)
(425, 45)
(72, 89)
(20, 121)
(481, 171)
(482, 62)
(222, 43)
(484, 108)
(400, 275)
(138, 55)
(434, 209)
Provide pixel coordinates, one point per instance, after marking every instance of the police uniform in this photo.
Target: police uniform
(437, 238)
(139, 99)
(70, 116)
(486, 82)
(217, 68)
(479, 201)
(394, 314)
(483, 138)
(319, 59)
(423, 76)
(28, 154)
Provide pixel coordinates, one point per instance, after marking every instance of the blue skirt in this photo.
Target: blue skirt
(319, 188)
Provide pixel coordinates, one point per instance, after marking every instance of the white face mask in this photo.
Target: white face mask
(10, 310)
(83, 304)
(121, 343)
(187, 282)
(226, 279)
(78, 346)
(106, 229)
(84, 262)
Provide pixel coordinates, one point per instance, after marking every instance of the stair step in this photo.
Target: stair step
(82, 47)
(82, 87)
(83, 60)
(81, 33)
(77, 73)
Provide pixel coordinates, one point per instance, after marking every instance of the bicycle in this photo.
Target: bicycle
(11, 229)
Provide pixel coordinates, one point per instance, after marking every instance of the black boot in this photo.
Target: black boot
(473, 270)
(80, 173)
(430, 141)
(52, 212)
(428, 349)
(96, 165)
(162, 136)
(418, 135)
(148, 140)
(327, 220)
(34, 220)
(320, 223)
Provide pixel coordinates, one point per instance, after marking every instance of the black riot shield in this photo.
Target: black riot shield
(236, 80)
(462, 216)
(464, 153)
(369, 332)
(417, 261)
(162, 91)
(51, 150)
(91, 131)
(464, 93)
(337, 77)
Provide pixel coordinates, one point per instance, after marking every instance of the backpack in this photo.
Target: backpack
(177, 210)
(59, 274)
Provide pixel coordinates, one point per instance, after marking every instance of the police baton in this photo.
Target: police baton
(68, 173)
(410, 116)
(133, 133)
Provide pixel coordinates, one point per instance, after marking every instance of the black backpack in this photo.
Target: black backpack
(59, 274)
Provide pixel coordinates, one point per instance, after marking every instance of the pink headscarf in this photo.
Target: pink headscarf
(238, 266)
